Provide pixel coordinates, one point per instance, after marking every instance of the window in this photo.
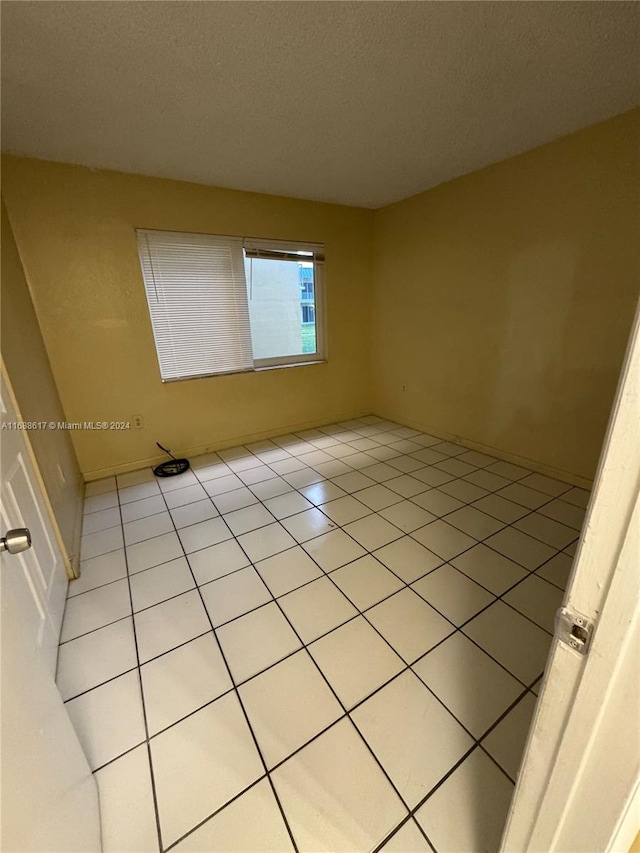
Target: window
(228, 304)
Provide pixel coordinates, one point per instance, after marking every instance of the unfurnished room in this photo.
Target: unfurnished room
(320, 435)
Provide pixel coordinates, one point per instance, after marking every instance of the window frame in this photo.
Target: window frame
(267, 249)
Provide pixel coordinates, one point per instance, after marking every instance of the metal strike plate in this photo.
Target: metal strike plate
(574, 629)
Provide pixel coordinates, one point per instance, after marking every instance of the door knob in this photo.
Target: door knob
(16, 540)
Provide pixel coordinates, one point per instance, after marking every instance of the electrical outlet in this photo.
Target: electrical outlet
(137, 421)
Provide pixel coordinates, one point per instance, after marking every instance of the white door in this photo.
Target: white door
(577, 787)
(49, 796)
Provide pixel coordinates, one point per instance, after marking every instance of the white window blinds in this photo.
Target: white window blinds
(197, 295)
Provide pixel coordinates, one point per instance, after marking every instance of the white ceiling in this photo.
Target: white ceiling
(361, 103)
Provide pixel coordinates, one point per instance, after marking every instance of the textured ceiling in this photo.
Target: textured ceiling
(360, 103)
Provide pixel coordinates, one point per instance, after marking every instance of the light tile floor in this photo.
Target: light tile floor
(331, 641)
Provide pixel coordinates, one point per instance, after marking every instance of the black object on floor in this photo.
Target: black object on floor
(172, 467)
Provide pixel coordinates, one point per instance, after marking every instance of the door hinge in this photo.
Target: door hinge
(574, 629)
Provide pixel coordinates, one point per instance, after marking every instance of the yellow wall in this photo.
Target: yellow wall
(503, 299)
(76, 232)
(29, 371)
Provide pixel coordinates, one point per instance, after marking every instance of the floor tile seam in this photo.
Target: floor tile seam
(154, 792)
(241, 703)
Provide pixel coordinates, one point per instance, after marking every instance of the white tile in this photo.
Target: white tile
(257, 640)
(428, 456)
(256, 475)
(546, 530)
(179, 682)
(379, 472)
(409, 624)
(520, 548)
(463, 491)
(319, 493)
(443, 539)
(95, 608)
(308, 524)
(487, 480)
(127, 814)
(477, 524)
(416, 760)
(490, 569)
(577, 497)
(160, 583)
(90, 660)
(100, 487)
(494, 630)
(545, 484)
(183, 516)
(355, 660)
(183, 497)
(408, 839)
(288, 570)
(237, 499)
(138, 493)
(99, 502)
(287, 465)
(406, 486)
(406, 464)
(303, 477)
(288, 705)
(366, 581)
(332, 468)
(506, 469)
(204, 460)
(169, 624)
(557, 570)
(99, 571)
(346, 509)
(378, 497)
(271, 488)
(161, 549)
(538, 600)
(108, 719)
(142, 509)
(333, 550)
(213, 471)
(559, 510)
(201, 763)
(220, 485)
(147, 528)
(134, 478)
(453, 594)
(287, 504)
(498, 507)
(480, 460)
(437, 502)
(357, 461)
(507, 741)
(523, 495)
(250, 518)
(234, 594)
(178, 481)
(263, 543)
(449, 448)
(217, 561)
(407, 516)
(353, 482)
(102, 520)
(336, 775)
(373, 532)
(253, 821)
(94, 544)
(469, 810)
(316, 608)
(408, 559)
(472, 686)
(456, 467)
(363, 443)
(432, 476)
(204, 534)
